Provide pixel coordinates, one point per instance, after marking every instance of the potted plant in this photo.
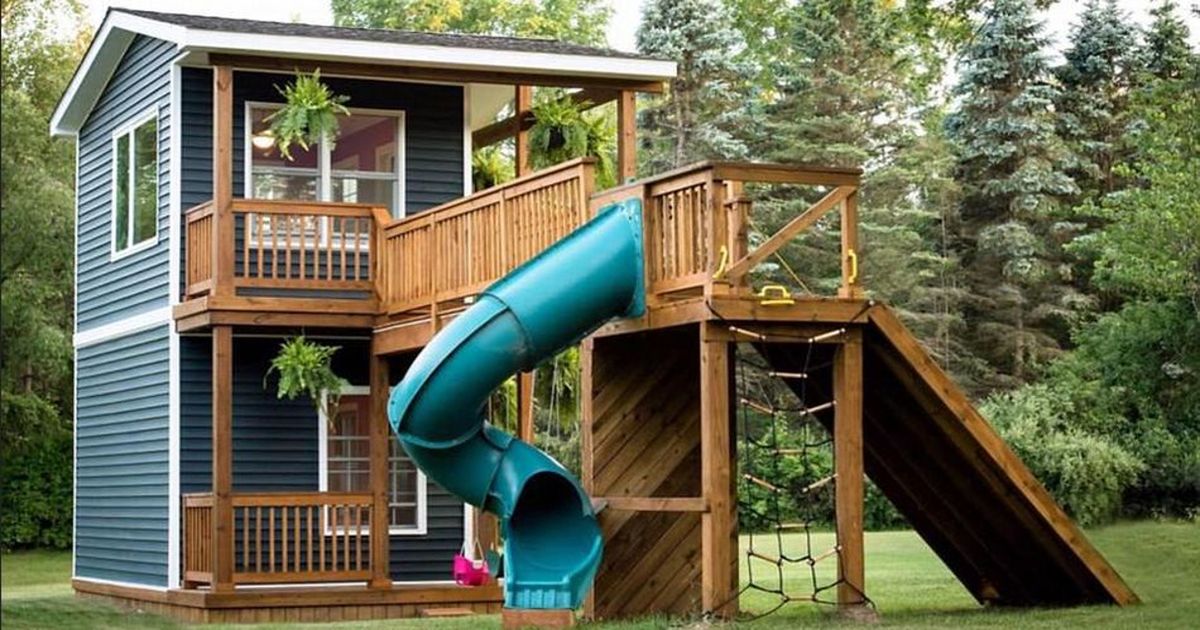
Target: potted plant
(309, 114)
(305, 369)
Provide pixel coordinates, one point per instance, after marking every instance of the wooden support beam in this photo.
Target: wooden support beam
(851, 265)
(848, 466)
(802, 222)
(222, 458)
(504, 129)
(381, 437)
(626, 136)
(525, 406)
(524, 103)
(418, 73)
(718, 526)
(222, 180)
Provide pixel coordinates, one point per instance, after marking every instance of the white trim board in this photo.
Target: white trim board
(121, 328)
(118, 29)
(174, 395)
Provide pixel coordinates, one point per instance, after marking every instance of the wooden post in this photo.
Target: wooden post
(525, 406)
(222, 181)
(524, 102)
(626, 136)
(848, 466)
(718, 526)
(851, 265)
(380, 443)
(222, 458)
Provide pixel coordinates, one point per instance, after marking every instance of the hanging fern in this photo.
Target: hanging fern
(309, 115)
(490, 167)
(305, 369)
(563, 131)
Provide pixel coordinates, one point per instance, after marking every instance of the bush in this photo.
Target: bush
(1087, 472)
(35, 507)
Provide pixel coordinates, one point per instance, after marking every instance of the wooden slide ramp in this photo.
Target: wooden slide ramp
(958, 484)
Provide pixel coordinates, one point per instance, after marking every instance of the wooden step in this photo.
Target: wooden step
(447, 612)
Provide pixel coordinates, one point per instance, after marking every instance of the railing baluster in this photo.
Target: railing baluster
(271, 538)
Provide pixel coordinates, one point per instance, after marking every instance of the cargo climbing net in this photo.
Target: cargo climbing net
(786, 475)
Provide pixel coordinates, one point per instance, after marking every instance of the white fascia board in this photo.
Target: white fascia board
(118, 29)
(431, 56)
(107, 48)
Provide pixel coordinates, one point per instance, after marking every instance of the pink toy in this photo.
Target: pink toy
(468, 572)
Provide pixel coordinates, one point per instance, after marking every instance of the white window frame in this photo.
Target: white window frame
(324, 156)
(128, 128)
(422, 526)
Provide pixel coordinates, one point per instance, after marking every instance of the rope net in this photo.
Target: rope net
(786, 479)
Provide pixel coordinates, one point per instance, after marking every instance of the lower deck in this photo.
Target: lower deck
(300, 604)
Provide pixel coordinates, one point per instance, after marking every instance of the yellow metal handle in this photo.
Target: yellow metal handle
(723, 265)
(853, 256)
(775, 295)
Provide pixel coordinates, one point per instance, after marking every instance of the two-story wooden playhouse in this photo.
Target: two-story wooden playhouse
(198, 249)
(186, 288)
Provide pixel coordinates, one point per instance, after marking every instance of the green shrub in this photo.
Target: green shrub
(36, 482)
(1087, 472)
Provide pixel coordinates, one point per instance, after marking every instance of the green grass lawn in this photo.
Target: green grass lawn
(910, 586)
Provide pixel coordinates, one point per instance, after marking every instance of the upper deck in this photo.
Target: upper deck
(326, 265)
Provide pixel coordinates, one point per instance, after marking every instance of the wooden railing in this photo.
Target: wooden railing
(199, 221)
(697, 222)
(455, 250)
(285, 249)
(284, 538)
(197, 538)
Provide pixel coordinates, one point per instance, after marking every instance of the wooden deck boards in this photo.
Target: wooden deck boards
(294, 604)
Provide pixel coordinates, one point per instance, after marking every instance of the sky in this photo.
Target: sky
(622, 27)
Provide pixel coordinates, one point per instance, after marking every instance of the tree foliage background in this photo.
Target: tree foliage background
(1034, 220)
(40, 45)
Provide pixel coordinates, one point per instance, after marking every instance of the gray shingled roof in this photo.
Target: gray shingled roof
(455, 40)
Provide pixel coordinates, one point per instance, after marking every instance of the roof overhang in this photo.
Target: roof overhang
(195, 45)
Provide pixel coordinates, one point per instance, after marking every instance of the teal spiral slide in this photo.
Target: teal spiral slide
(553, 544)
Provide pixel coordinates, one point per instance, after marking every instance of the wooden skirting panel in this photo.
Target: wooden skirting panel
(295, 605)
(644, 436)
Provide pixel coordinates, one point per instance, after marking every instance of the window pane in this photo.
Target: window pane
(366, 144)
(290, 186)
(380, 192)
(121, 201)
(145, 182)
(402, 488)
(349, 450)
(262, 146)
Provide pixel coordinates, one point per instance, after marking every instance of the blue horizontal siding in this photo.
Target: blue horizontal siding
(111, 290)
(121, 454)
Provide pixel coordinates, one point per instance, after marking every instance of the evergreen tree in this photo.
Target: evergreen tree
(851, 92)
(1099, 73)
(703, 108)
(1009, 162)
(1167, 54)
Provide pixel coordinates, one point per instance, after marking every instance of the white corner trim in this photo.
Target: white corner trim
(422, 527)
(174, 208)
(134, 324)
(468, 180)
